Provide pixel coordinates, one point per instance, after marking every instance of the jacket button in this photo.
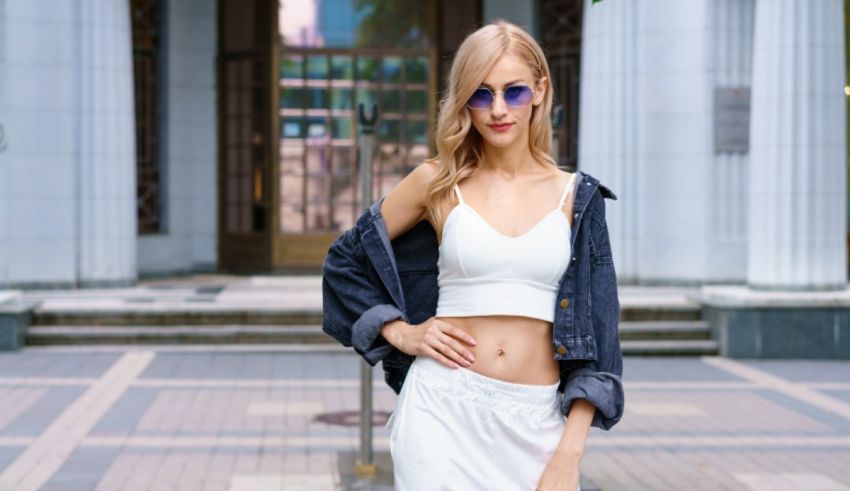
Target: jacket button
(561, 350)
(564, 303)
(574, 258)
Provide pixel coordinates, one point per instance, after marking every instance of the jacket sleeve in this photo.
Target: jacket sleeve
(355, 304)
(599, 381)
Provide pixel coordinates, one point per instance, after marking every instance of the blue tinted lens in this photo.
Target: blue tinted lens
(517, 95)
(480, 99)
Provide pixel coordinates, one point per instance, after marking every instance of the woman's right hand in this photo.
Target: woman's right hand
(434, 338)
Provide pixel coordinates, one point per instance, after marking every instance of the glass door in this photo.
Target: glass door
(330, 59)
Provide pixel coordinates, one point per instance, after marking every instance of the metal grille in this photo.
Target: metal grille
(146, 24)
(319, 92)
(561, 32)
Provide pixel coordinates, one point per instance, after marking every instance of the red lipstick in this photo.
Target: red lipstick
(501, 126)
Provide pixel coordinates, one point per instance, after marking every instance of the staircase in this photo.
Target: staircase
(290, 314)
(662, 326)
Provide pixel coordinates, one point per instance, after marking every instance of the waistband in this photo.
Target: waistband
(463, 379)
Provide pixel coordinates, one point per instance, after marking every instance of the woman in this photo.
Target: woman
(482, 404)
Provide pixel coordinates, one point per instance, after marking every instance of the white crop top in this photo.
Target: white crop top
(484, 272)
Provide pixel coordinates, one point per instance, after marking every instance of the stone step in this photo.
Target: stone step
(284, 334)
(219, 315)
(680, 347)
(642, 311)
(180, 334)
(664, 330)
(170, 316)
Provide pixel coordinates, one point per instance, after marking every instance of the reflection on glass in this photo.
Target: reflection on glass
(291, 127)
(344, 216)
(390, 130)
(317, 67)
(341, 127)
(317, 98)
(291, 97)
(416, 70)
(318, 218)
(341, 67)
(417, 131)
(391, 101)
(368, 69)
(324, 76)
(416, 101)
(418, 153)
(292, 218)
(318, 164)
(367, 97)
(316, 127)
(340, 98)
(356, 23)
(391, 69)
(292, 67)
(291, 160)
(317, 190)
(344, 164)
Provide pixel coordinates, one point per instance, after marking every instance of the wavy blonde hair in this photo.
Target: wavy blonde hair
(459, 145)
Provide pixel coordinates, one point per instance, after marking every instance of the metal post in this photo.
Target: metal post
(366, 144)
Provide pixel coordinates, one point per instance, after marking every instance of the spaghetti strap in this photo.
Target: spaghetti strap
(566, 191)
(457, 191)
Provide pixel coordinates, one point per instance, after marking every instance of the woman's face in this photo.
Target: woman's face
(502, 124)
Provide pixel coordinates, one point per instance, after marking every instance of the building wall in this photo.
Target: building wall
(523, 14)
(66, 178)
(188, 241)
(732, 64)
(647, 115)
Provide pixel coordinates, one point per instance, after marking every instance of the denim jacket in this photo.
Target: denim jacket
(368, 281)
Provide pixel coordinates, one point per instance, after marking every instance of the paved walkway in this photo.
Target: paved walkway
(245, 418)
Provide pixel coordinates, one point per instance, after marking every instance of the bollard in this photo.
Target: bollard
(365, 464)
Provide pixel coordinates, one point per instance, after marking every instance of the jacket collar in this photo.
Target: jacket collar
(377, 247)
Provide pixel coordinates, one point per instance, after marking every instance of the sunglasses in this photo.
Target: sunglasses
(515, 95)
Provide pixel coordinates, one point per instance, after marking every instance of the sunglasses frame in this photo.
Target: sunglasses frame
(494, 93)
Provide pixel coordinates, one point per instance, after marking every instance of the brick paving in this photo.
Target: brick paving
(243, 418)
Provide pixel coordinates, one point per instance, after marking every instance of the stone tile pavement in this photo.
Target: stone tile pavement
(244, 418)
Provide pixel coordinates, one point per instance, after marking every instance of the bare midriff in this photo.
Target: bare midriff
(511, 348)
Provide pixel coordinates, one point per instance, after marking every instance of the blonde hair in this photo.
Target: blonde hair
(459, 150)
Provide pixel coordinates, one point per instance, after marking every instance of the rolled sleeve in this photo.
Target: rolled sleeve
(603, 389)
(366, 332)
(355, 305)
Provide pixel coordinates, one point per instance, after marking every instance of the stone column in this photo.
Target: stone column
(608, 118)
(106, 165)
(797, 179)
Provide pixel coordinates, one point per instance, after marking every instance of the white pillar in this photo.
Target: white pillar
(106, 166)
(797, 199)
(608, 118)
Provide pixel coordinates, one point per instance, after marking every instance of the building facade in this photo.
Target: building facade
(156, 137)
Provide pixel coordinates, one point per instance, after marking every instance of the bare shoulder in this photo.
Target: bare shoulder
(404, 205)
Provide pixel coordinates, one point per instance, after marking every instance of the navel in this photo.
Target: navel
(501, 352)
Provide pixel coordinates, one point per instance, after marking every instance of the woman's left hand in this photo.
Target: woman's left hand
(559, 475)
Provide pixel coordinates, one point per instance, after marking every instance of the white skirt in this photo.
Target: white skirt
(455, 429)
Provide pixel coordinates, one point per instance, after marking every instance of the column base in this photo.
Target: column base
(769, 324)
(15, 319)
